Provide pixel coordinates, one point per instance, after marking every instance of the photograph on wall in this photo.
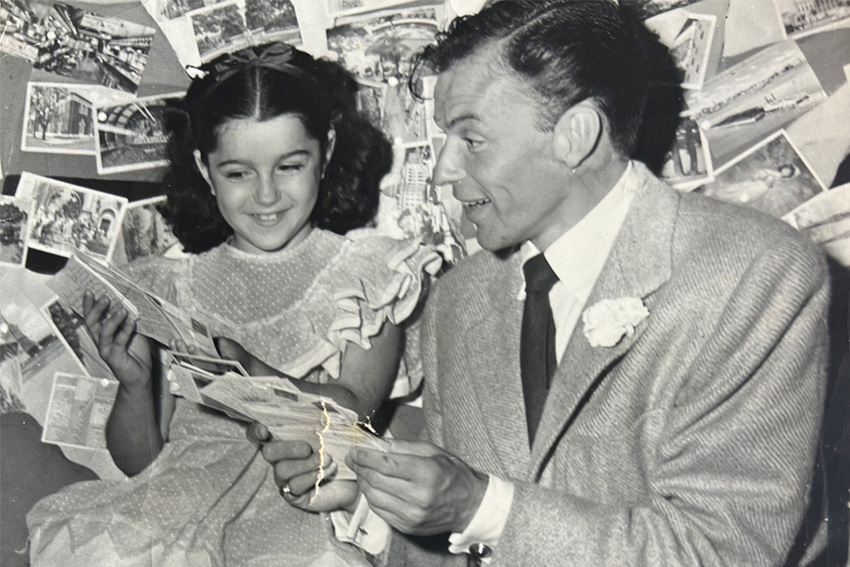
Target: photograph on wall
(805, 17)
(771, 177)
(13, 231)
(71, 330)
(380, 47)
(132, 136)
(172, 9)
(66, 218)
(144, 233)
(688, 163)
(689, 38)
(71, 42)
(78, 409)
(59, 117)
(754, 98)
(370, 100)
(235, 25)
(28, 339)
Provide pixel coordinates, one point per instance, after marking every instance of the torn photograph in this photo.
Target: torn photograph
(130, 137)
(59, 117)
(77, 411)
(688, 163)
(807, 17)
(754, 98)
(66, 218)
(13, 230)
(689, 37)
(771, 177)
(72, 42)
(145, 233)
(70, 328)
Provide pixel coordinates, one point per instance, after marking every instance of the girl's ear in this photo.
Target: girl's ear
(205, 171)
(329, 149)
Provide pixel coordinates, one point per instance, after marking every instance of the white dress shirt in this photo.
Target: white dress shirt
(577, 258)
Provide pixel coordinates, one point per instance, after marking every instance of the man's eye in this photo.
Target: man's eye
(472, 143)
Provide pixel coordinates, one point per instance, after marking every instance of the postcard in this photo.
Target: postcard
(132, 136)
(59, 117)
(801, 18)
(771, 176)
(380, 47)
(754, 99)
(78, 410)
(234, 25)
(338, 8)
(688, 163)
(75, 43)
(13, 230)
(750, 25)
(71, 330)
(66, 218)
(10, 383)
(144, 233)
(689, 37)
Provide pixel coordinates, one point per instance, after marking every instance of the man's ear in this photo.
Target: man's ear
(577, 133)
(329, 149)
(205, 171)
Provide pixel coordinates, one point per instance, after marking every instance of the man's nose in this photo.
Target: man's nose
(267, 192)
(449, 168)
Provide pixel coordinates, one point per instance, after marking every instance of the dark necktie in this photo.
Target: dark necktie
(537, 342)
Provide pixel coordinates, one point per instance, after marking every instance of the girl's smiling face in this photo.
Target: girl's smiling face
(265, 177)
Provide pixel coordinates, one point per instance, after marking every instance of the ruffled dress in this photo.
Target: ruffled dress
(209, 498)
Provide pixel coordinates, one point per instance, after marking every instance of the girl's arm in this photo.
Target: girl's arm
(133, 435)
(366, 376)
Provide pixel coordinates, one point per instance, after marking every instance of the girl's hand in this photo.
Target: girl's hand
(127, 353)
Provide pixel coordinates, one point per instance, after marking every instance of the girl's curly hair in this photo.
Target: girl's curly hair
(321, 93)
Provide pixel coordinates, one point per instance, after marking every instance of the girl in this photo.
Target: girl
(270, 163)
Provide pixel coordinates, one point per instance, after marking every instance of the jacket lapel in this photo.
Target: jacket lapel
(639, 263)
(492, 345)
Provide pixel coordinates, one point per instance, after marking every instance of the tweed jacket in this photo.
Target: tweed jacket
(690, 442)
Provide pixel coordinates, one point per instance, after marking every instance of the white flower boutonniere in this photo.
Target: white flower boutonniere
(608, 321)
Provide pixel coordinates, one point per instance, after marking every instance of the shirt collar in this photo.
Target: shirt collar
(578, 256)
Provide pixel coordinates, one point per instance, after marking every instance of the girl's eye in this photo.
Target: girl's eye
(236, 175)
(290, 167)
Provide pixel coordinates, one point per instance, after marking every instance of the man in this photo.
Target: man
(657, 402)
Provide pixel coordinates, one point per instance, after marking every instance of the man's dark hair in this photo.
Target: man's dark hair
(566, 51)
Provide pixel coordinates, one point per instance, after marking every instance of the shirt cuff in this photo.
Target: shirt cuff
(364, 528)
(489, 521)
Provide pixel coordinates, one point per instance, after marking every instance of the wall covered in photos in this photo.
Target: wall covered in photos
(760, 117)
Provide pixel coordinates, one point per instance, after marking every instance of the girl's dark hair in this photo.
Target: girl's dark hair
(254, 84)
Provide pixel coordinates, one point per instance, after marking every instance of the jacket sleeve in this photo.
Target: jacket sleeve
(728, 483)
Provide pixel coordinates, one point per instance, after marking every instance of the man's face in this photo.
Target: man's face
(502, 168)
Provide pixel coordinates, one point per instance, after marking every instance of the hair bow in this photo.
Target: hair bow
(275, 56)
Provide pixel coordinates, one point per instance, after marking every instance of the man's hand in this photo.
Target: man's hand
(296, 467)
(419, 488)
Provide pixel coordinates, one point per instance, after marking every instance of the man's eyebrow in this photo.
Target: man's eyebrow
(462, 118)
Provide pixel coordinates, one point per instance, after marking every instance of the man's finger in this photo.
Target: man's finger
(417, 448)
(387, 464)
(281, 450)
(258, 433)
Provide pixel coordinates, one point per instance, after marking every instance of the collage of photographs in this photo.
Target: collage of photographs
(739, 137)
